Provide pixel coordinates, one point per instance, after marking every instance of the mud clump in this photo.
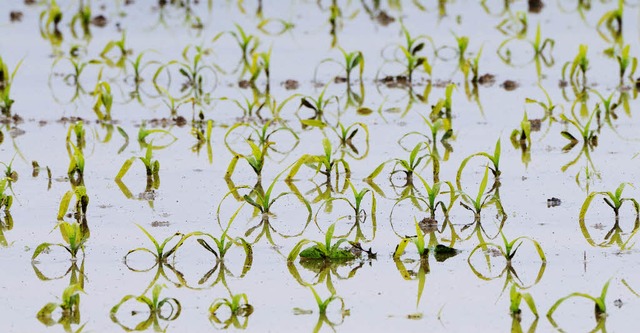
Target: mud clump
(536, 124)
(291, 84)
(535, 6)
(487, 79)
(384, 19)
(553, 202)
(15, 16)
(99, 21)
(509, 85)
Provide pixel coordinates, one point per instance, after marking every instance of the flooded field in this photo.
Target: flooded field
(319, 166)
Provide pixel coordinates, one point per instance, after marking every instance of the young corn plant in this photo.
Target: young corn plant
(612, 199)
(74, 234)
(6, 81)
(494, 159)
(482, 199)
(160, 309)
(521, 139)
(600, 307)
(152, 169)
(238, 306)
(248, 43)
(322, 251)
(255, 160)
(624, 61)
(589, 136)
(104, 101)
(346, 135)
(81, 203)
(161, 255)
(359, 211)
(577, 68)
(75, 172)
(260, 63)
(412, 59)
(351, 61)
(5, 199)
(324, 164)
(409, 166)
(192, 69)
(319, 107)
(508, 251)
(433, 192)
(70, 306)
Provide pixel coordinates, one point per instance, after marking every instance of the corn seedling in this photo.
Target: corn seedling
(412, 60)
(104, 101)
(6, 81)
(5, 199)
(577, 68)
(191, 68)
(351, 61)
(432, 194)
(624, 61)
(238, 306)
(161, 255)
(408, 166)
(516, 298)
(203, 136)
(75, 236)
(359, 212)
(160, 309)
(70, 306)
(521, 139)
(319, 107)
(442, 109)
(322, 251)
(144, 133)
(260, 62)
(346, 135)
(255, 159)
(589, 136)
(612, 199)
(600, 307)
(494, 159)
(152, 169)
(81, 203)
(482, 199)
(248, 43)
(51, 17)
(548, 106)
(508, 251)
(324, 164)
(323, 305)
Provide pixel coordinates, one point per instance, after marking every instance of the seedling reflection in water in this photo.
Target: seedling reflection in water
(160, 309)
(494, 159)
(70, 306)
(323, 306)
(440, 252)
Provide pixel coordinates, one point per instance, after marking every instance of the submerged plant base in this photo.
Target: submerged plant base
(315, 253)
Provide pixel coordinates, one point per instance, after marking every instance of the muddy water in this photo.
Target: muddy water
(460, 294)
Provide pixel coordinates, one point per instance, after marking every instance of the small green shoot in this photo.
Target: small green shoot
(156, 307)
(6, 81)
(75, 236)
(600, 302)
(612, 199)
(238, 306)
(324, 164)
